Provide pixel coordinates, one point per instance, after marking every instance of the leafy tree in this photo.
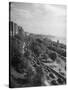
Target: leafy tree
(53, 56)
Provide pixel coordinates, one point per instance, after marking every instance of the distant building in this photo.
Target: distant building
(13, 27)
(57, 43)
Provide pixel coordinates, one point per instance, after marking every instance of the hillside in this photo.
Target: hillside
(35, 60)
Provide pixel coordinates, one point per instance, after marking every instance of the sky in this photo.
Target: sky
(46, 19)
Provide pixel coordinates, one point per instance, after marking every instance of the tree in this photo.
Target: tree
(53, 56)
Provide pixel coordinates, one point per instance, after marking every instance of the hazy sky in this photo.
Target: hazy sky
(40, 18)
